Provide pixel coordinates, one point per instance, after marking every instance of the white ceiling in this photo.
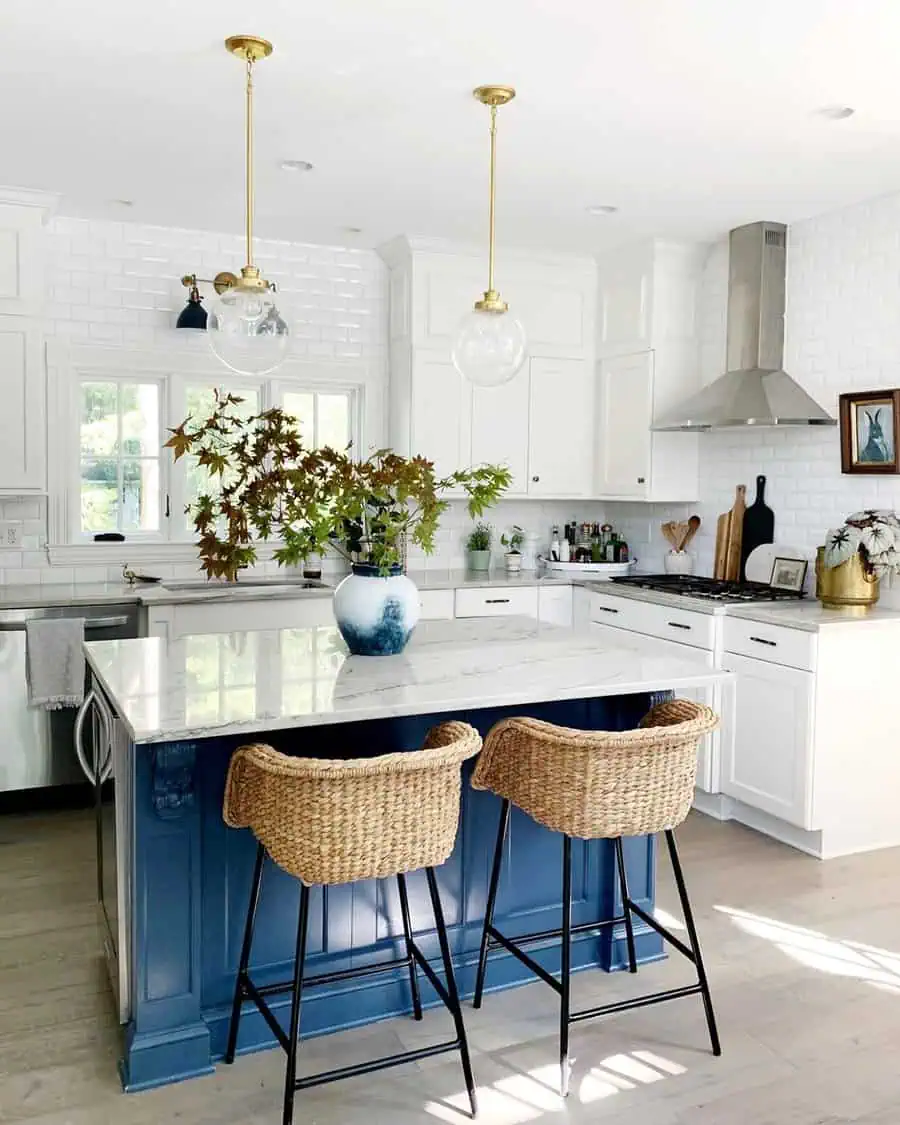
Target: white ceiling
(691, 116)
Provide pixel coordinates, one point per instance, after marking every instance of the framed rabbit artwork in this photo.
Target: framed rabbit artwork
(870, 432)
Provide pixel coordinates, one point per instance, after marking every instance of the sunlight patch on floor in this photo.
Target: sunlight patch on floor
(854, 959)
(527, 1097)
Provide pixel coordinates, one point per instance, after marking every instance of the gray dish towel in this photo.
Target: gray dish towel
(55, 662)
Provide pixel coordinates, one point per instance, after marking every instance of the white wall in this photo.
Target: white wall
(119, 283)
(842, 334)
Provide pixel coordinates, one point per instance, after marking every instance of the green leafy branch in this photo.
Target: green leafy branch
(272, 487)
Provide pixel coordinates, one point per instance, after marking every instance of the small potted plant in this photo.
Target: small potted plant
(513, 544)
(267, 485)
(855, 556)
(478, 546)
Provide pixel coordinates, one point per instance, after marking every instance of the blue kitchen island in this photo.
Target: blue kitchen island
(175, 880)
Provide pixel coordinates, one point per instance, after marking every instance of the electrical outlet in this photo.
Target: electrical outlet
(10, 535)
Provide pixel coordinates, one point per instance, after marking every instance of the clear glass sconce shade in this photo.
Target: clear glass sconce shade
(489, 348)
(246, 331)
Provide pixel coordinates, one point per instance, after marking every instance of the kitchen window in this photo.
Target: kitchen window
(126, 482)
(119, 457)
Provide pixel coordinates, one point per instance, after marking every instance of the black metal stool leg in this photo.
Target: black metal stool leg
(695, 943)
(455, 1006)
(244, 962)
(565, 974)
(290, 1073)
(491, 902)
(626, 905)
(407, 934)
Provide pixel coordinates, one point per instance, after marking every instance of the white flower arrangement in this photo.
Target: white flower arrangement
(873, 535)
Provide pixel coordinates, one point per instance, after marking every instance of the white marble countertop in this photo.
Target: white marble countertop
(248, 683)
(66, 594)
(810, 615)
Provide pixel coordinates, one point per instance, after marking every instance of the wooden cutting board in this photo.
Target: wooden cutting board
(733, 554)
(759, 524)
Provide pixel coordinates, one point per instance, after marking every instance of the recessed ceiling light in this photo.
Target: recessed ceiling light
(124, 202)
(603, 209)
(296, 166)
(353, 230)
(836, 112)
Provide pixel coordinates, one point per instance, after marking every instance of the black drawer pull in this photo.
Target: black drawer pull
(496, 601)
(763, 641)
(678, 625)
(606, 608)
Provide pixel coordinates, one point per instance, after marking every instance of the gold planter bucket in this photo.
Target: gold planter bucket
(849, 584)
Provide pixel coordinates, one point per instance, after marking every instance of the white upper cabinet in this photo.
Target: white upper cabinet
(561, 446)
(22, 217)
(541, 423)
(23, 419)
(647, 362)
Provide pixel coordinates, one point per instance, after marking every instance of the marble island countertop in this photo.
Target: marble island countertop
(281, 679)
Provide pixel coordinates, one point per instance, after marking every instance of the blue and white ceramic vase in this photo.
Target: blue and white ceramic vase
(376, 613)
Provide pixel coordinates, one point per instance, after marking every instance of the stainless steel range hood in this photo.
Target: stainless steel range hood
(755, 390)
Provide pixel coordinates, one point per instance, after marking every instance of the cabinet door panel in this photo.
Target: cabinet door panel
(500, 428)
(708, 757)
(23, 418)
(440, 415)
(769, 762)
(625, 396)
(560, 461)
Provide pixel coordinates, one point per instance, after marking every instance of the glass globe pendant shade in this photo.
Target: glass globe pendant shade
(488, 348)
(246, 331)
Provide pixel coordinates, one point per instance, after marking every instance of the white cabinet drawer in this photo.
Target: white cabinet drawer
(221, 616)
(606, 609)
(684, 626)
(793, 647)
(435, 605)
(497, 601)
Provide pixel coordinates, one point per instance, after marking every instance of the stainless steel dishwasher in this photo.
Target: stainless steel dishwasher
(39, 749)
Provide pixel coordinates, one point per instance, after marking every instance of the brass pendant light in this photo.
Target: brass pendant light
(489, 347)
(245, 329)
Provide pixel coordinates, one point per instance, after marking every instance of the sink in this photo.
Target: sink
(215, 585)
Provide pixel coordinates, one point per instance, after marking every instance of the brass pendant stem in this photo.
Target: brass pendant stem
(492, 193)
(249, 159)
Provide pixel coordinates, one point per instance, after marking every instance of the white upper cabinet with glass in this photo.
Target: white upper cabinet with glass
(547, 407)
(647, 361)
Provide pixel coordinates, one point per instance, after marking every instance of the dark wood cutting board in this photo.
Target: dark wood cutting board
(759, 524)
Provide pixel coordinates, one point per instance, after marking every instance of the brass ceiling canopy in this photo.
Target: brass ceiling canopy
(250, 48)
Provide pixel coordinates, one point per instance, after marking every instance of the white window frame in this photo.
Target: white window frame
(182, 362)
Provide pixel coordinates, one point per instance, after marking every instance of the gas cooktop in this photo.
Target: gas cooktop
(709, 589)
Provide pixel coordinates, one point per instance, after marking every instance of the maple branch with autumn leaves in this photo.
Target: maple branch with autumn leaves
(272, 487)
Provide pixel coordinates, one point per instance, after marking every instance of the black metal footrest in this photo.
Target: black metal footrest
(383, 1063)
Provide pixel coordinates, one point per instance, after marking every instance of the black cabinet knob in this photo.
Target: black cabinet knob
(535, 479)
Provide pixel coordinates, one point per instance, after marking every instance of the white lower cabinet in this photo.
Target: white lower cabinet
(639, 642)
(215, 616)
(435, 605)
(768, 763)
(555, 605)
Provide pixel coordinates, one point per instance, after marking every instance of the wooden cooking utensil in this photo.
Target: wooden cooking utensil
(723, 530)
(693, 526)
(736, 535)
(668, 530)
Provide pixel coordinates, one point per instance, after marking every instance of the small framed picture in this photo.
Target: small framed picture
(870, 432)
(789, 574)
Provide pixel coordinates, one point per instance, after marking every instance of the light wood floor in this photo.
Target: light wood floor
(804, 959)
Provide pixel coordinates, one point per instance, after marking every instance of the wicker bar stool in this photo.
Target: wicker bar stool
(597, 785)
(329, 822)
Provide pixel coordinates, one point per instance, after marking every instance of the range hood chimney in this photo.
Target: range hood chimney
(755, 390)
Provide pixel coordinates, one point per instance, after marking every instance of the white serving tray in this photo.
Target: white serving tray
(598, 570)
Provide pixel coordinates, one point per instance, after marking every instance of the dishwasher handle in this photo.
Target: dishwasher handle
(105, 622)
